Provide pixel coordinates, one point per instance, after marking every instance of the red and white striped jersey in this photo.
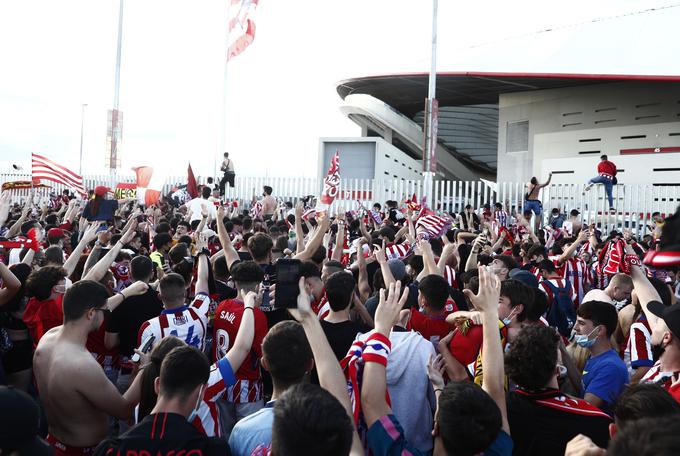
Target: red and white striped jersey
(656, 375)
(638, 351)
(187, 323)
(207, 418)
(501, 218)
(322, 308)
(579, 275)
(450, 276)
(559, 283)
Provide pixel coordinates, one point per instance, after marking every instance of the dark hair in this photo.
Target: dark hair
(657, 436)
(536, 250)
(310, 420)
(161, 239)
(508, 261)
(537, 309)
(247, 274)
(220, 268)
(54, 254)
(205, 192)
(388, 232)
(416, 263)
(83, 296)
(642, 401)
(260, 245)
(21, 271)
(334, 264)
(172, 287)
(532, 357)
(534, 180)
(309, 269)
(178, 252)
(163, 227)
(148, 396)
(600, 313)
(603, 157)
(339, 289)
(319, 255)
(267, 189)
(469, 420)
(287, 353)
(435, 290)
(182, 370)
(40, 282)
(518, 293)
(141, 267)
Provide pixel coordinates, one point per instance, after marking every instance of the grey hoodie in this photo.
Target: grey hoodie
(411, 394)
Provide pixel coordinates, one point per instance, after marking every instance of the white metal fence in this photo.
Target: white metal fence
(634, 203)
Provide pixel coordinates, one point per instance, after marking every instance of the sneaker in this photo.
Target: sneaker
(587, 188)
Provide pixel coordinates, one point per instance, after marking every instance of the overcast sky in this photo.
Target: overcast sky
(281, 90)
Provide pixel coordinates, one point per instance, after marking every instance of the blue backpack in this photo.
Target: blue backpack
(561, 313)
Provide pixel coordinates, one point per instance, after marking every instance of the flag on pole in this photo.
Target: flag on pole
(331, 184)
(149, 185)
(44, 168)
(192, 186)
(241, 26)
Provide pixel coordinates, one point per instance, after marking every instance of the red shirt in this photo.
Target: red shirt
(432, 329)
(465, 347)
(41, 316)
(95, 345)
(606, 167)
(227, 321)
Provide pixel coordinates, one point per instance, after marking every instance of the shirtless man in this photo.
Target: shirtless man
(77, 395)
(531, 201)
(269, 203)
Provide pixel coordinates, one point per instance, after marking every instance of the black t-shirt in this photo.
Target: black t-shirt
(341, 335)
(162, 433)
(542, 423)
(129, 316)
(224, 291)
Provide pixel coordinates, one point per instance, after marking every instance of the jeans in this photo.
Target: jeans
(608, 186)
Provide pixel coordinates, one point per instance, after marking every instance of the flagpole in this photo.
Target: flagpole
(223, 132)
(430, 122)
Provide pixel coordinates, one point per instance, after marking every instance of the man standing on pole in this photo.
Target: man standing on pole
(228, 169)
(606, 175)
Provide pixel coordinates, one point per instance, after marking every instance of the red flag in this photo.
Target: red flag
(149, 185)
(330, 184)
(241, 26)
(192, 186)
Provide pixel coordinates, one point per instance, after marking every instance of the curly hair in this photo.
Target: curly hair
(40, 282)
(532, 357)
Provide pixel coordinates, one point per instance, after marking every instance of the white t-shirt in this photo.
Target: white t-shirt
(598, 295)
(196, 205)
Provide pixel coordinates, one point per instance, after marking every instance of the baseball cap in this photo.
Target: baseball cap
(101, 190)
(524, 276)
(19, 422)
(669, 314)
(574, 212)
(55, 233)
(397, 268)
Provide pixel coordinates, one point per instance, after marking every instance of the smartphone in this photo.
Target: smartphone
(287, 279)
(145, 347)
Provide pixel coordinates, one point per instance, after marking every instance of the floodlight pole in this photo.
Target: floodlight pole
(430, 118)
(82, 124)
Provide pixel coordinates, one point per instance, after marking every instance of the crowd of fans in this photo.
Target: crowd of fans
(127, 330)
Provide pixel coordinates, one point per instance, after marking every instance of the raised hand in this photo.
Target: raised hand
(389, 307)
(129, 234)
(380, 255)
(304, 303)
(90, 233)
(435, 371)
(486, 300)
(250, 299)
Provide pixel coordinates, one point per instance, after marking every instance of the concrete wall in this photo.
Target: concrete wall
(578, 124)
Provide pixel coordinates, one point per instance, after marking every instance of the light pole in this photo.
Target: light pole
(82, 124)
(430, 119)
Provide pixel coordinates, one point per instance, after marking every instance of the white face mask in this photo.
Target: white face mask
(194, 412)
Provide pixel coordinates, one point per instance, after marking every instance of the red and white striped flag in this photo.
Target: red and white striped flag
(150, 184)
(432, 226)
(241, 26)
(44, 168)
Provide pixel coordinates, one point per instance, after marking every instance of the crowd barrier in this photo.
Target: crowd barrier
(634, 203)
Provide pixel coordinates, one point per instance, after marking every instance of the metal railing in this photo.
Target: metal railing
(634, 203)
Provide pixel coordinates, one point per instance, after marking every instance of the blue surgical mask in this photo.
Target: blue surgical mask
(507, 320)
(583, 340)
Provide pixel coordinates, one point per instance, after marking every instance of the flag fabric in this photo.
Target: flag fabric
(149, 185)
(256, 210)
(192, 186)
(44, 168)
(241, 26)
(432, 226)
(331, 184)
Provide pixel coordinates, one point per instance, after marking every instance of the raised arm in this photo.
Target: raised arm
(10, 282)
(486, 301)
(546, 183)
(374, 385)
(472, 258)
(14, 229)
(362, 284)
(380, 257)
(227, 247)
(339, 249)
(644, 289)
(316, 240)
(364, 230)
(327, 366)
(202, 279)
(430, 267)
(582, 236)
(89, 235)
(5, 203)
(299, 233)
(98, 270)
